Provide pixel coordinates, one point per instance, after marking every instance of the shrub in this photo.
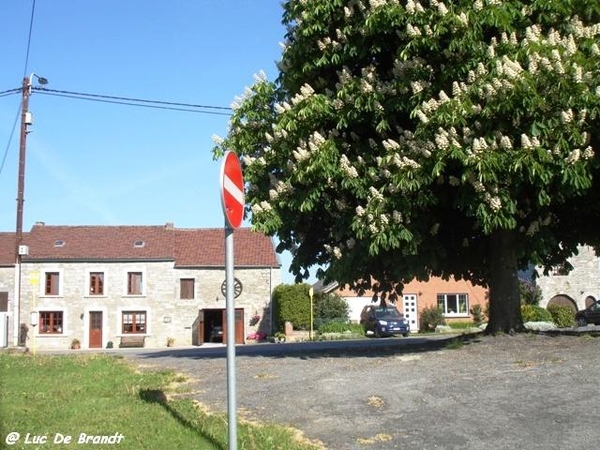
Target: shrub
(430, 318)
(533, 313)
(562, 316)
(291, 303)
(336, 326)
(331, 306)
(478, 314)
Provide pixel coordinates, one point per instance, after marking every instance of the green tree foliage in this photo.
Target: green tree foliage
(328, 307)
(291, 303)
(409, 139)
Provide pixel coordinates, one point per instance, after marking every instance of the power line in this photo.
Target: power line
(12, 132)
(128, 99)
(145, 103)
(13, 91)
(112, 99)
(29, 38)
(140, 105)
(9, 92)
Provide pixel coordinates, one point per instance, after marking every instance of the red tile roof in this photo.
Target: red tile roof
(7, 249)
(195, 247)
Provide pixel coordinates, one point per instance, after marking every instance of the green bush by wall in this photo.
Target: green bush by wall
(562, 316)
(533, 313)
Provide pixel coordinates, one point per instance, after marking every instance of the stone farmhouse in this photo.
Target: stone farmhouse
(454, 297)
(578, 288)
(131, 285)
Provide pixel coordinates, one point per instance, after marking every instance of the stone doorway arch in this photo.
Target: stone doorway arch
(563, 300)
(589, 300)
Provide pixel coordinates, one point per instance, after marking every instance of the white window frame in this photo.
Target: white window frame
(450, 313)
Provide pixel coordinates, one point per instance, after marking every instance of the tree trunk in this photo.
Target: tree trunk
(505, 304)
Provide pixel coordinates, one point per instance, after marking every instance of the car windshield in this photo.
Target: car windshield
(387, 312)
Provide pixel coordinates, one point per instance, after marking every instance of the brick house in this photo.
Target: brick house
(454, 297)
(99, 284)
(578, 288)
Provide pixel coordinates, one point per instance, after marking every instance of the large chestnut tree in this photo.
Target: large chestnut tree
(407, 139)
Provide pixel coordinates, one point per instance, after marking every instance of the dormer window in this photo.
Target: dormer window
(59, 243)
(139, 244)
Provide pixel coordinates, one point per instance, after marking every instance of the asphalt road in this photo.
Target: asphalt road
(525, 391)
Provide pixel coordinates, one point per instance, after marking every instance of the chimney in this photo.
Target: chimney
(169, 226)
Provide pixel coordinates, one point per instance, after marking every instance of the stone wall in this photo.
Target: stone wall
(167, 315)
(581, 283)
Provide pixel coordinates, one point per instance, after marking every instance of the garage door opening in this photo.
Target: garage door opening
(211, 326)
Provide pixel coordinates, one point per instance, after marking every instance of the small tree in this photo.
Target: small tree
(529, 293)
(329, 307)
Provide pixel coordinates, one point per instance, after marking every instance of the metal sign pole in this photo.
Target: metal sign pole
(230, 311)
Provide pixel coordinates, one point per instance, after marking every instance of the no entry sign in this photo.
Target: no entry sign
(232, 190)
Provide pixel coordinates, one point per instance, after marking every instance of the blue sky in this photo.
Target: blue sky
(92, 163)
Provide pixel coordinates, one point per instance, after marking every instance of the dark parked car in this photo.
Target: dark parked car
(591, 314)
(383, 321)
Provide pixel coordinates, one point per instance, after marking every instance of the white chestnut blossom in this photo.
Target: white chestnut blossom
(495, 204)
(525, 142)
(397, 216)
(566, 116)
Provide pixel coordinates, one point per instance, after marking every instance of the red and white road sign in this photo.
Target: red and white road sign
(232, 190)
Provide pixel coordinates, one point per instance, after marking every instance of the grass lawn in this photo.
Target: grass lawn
(55, 397)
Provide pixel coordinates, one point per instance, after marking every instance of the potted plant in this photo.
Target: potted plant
(170, 342)
(75, 344)
(254, 319)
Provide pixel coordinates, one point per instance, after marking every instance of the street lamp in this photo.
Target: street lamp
(19, 249)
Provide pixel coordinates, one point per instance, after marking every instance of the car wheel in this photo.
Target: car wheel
(377, 333)
(581, 322)
(405, 334)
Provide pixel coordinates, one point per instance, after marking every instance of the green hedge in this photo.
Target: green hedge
(562, 316)
(291, 303)
(533, 313)
(336, 326)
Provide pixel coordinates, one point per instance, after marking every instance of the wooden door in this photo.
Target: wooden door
(198, 339)
(95, 329)
(239, 326)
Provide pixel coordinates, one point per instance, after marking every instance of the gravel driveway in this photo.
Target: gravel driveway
(506, 392)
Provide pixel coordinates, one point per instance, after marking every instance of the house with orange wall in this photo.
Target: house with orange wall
(454, 297)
